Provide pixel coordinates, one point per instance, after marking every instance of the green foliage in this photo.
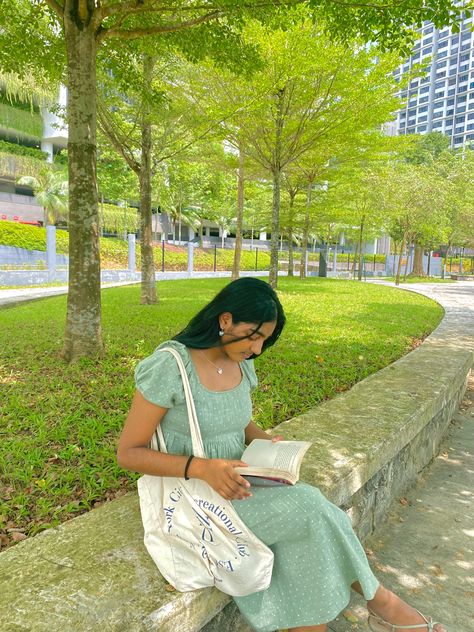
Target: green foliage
(26, 122)
(22, 150)
(30, 237)
(13, 166)
(60, 423)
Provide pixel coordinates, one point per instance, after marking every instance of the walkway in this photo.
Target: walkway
(425, 550)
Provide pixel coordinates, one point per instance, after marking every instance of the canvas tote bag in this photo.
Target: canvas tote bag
(193, 534)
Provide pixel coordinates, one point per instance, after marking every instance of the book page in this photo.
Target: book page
(281, 455)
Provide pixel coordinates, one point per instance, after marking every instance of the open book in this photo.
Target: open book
(272, 463)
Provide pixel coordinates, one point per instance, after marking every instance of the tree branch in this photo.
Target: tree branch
(154, 30)
(56, 6)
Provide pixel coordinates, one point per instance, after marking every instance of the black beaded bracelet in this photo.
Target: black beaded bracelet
(188, 462)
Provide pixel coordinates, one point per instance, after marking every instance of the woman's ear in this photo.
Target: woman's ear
(225, 320)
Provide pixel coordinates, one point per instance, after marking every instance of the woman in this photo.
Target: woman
(318, 558)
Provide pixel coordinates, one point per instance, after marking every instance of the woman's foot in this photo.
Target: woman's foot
(389, 608)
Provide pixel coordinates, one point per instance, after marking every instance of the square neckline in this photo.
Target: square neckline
(227, 390)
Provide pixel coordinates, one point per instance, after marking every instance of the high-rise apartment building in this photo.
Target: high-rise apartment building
(442, 101)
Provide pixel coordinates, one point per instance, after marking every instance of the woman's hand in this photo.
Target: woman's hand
(278, 438)
(220, 474)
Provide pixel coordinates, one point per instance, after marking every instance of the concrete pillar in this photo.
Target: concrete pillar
(263, 236)
(191, 233)
(51, 251)
(190, 258)
(131, 253)
(334, 265)
(47, 146)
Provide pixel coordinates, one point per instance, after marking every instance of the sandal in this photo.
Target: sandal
(377, 624)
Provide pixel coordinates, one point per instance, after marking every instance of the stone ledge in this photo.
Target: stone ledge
(93, 572)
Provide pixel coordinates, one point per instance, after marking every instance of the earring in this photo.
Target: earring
(221, 332)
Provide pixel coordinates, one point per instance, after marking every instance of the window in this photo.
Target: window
(424, 89)
(450, 102)
(423, 109)
(466, 36)
(441, 74)
(470, 126)
(462, 88)
(466, 46)
(423, 100)
(451, 92)
(452, 82)
(470, 117)
(471, 105)
(422, 119)
(437, 125)
(457, 140)
(437, 115)
(441, 64)
(449, 112)
(470, 137)
(427, 40)
(464, 57)
(422, 128)
(426, 51)
(463, 78)
(462, 99)
(459, 119)
(449, 122)
(444, 33)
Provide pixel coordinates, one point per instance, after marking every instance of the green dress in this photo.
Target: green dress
(317, 554)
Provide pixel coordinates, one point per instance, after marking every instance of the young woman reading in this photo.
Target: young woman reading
(317, 556)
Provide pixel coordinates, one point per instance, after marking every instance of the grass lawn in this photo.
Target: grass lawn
(60, 423)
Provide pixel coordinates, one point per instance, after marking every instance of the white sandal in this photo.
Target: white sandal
(377, 624)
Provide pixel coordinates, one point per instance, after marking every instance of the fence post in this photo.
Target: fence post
(163, 255)
(215, 257)
(256, 259)
(51, 251)
(190, 258)
(131, 253)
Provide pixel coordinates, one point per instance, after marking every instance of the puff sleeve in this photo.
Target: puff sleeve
(158, 379)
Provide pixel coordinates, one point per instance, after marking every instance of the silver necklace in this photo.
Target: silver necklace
(219, 369)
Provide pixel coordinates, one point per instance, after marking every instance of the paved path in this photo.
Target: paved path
(425, 550)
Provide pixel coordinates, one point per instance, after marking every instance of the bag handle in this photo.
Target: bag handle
(198, 447)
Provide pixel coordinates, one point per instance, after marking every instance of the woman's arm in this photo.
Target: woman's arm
(133, 454)
(252, 431)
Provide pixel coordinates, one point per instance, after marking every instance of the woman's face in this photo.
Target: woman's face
(251, 345)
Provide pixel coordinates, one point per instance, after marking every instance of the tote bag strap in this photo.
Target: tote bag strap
(198, 447)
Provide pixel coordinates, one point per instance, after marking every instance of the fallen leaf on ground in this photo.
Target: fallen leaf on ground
(17, 537)
(404, 502)
(350, 616)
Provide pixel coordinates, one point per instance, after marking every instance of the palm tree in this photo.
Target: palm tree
(51, 190)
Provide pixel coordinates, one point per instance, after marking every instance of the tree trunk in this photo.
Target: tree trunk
(361, 233)
(273, 276)
(148, 284)
(418, 261)
(276, 173)
(304, 245)
(83, 336)
(240, 215)
(290, 234)
(399, 266)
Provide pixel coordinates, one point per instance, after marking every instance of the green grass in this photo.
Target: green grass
(60, 423)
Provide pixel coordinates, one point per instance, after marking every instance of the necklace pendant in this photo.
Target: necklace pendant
(219, 371)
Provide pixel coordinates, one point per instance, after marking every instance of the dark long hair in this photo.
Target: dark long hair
(249, 300)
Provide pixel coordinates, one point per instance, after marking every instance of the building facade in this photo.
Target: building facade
(442, 101)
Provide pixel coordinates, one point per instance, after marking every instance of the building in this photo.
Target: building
(442, 101)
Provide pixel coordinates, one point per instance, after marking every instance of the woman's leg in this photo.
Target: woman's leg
(393, 609)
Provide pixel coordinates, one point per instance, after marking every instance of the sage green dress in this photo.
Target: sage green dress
(317, 554)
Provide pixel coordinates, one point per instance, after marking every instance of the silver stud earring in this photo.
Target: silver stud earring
(221, 332)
